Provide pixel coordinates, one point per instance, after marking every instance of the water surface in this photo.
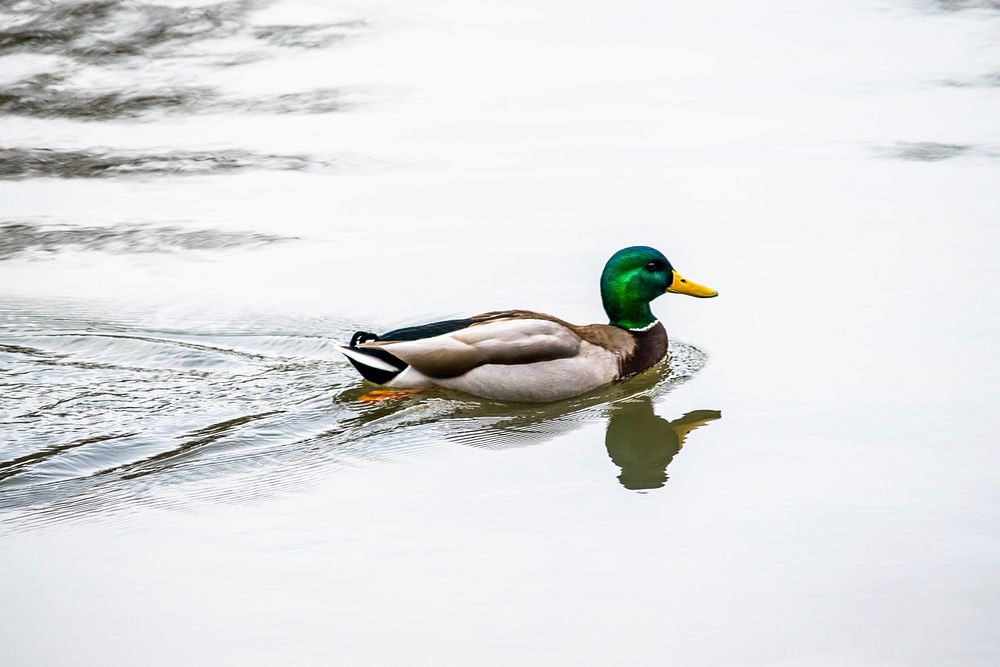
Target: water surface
(201, 199)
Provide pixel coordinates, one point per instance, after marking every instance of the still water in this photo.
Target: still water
(198, 200)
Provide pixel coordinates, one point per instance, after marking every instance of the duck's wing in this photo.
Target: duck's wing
(491, 339)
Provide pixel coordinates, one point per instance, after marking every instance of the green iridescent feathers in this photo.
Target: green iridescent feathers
(631, 279)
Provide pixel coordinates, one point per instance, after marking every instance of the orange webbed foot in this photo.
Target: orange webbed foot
(388, 394)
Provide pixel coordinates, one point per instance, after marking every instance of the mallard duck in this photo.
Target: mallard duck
(520, 355)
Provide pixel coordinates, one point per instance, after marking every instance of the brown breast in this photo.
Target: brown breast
(650, 348)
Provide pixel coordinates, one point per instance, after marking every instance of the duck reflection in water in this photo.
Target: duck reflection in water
(638, 441)
(643, 444)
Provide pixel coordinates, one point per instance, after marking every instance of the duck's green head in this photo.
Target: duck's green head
(635, 276)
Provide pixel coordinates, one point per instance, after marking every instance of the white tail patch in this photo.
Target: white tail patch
(367, 360)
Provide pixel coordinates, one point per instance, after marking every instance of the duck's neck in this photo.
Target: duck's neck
(625, 312)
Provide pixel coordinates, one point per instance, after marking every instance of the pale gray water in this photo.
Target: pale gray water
(197, 201)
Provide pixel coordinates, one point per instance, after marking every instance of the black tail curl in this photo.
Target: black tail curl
(371, 373)
(362, 337)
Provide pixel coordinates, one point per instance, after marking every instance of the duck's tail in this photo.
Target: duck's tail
(375, 364)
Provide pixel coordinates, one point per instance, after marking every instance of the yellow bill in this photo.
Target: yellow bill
(682, 285)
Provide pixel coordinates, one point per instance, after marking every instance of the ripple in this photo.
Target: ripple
(105, 31)
(116, 417)
(17, 465)
(991, 80)
(315, 36)
(137, 42)
(101, 29)
(127, 351)
(19, 163)
(925, 151)
(17, 238)
(46, 96)
(961, 5)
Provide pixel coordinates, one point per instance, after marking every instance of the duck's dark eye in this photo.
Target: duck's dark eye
(652, 266)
